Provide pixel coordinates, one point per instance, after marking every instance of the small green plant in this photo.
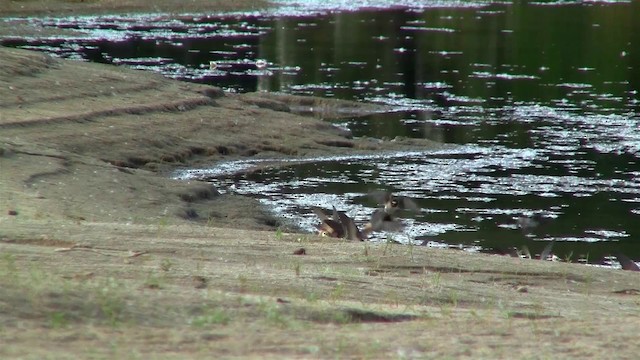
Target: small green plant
(199, 262)
(503, 309)
(365, 251)
(342, 346)
(58, 320)
(388, 245)
(166, 265)
(474, 314)
(111, 301)
(10, 268)
(37, 276)
(312, 349)
(446, 310)
(410, 250)
(243, 282)
(279, 234)
(337, 292)
(393, 296)
(568, 257)
(436, 280)
(153, 282)
(311, 296)
(341, 317)
(273, 315)
(297, 267)
(375, 348)
(163, 222)
(217, 316)
(453, 298)
(588, 282)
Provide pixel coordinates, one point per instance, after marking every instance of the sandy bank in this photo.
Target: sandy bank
(94, 142)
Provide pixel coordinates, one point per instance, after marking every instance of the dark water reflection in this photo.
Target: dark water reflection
(541, 97)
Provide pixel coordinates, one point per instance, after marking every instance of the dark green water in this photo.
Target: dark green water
(541, 97)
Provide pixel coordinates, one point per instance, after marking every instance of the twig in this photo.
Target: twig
(130, 253)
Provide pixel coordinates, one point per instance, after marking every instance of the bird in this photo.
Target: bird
(350, 228)
(329, 227)
(383, 221)
(392, 203)
(340, 225)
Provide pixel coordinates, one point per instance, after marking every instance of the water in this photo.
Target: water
(542, 99)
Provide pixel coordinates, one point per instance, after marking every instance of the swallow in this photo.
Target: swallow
(383, 221)
(329, 227)
(393, 203)
(339, 225)
(350, 228)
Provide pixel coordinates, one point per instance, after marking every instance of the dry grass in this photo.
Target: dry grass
(98, 289)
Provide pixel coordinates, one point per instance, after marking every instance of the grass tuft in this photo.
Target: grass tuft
(214, 316)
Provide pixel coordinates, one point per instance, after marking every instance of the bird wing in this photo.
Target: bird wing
(381, 221)
(380, 196)
(352, 231)
(338, 216)
(546, 251)
(332, 228)
(320, 213)
(385, 197)
(407, 203)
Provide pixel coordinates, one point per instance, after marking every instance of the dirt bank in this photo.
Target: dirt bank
(92, 142)
(102, 255)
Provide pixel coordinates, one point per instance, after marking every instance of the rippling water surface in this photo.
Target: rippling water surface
(542, 99)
